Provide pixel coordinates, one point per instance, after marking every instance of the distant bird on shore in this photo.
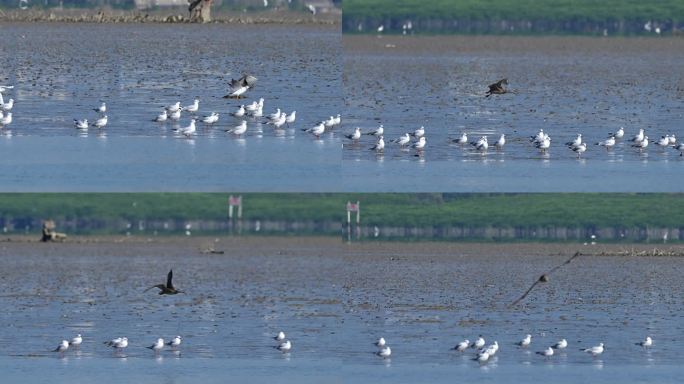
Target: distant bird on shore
(497, 88)
(240, 86)
(168, 288)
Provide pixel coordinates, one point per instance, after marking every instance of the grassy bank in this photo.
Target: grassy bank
(512, 16)
(419, 210)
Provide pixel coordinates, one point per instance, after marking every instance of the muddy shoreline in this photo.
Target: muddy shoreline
(331, 246)
(173, 15)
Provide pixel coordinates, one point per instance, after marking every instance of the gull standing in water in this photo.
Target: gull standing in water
(317, 130)
(403, 140)
(119, 343)
(526, 341)
(280, 121)
(418, 133)
(544, 144)
(420, 145)
(639, 137)
(175, 342)
(81, 124)
(76, 341)
(548, 352)
(479, 343)
(501, 142)
(378, 132)
(192, 108)
(102, 108)
(8, 105)
(255, 105)
(174, 107)
(561, 344)
(240, 112)
(641, 144)
(238, 130)
(211, 119)
(284, 346)
(646, 343)
(463, 345)
(580, 149)
(354, 136)
(482, 357)
(463, 139)
(595, 351)
(576, 142)
(162, 117)
(280, 336)
(175, 115)
(158, 346)
(62, 347)
(101, 122)
(481, 144)
(187, 132)
(290, 119)
(168, 288)
(385, 352)
(619, 133)
(330, 122)
(608, 143)
(337, 120)
(274, 116)
(380, 343)
(7, 119)
(379, 145)
(663, 142)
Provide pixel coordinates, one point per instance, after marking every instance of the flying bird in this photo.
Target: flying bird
(240, 86)
(168, 288)
(497, 88)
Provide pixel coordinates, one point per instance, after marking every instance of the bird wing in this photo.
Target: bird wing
(160, 286)
(169, 284)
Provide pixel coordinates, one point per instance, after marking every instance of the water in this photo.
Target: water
(333, 301)
(564, 85)
(62, 71)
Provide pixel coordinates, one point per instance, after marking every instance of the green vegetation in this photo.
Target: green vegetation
(419, 210)
(570, 16)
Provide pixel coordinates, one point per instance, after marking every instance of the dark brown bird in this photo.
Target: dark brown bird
(498, 88)
(168, 288)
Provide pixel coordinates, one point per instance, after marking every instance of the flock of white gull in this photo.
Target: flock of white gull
(255, 110)
(542, 141)
(483, 352)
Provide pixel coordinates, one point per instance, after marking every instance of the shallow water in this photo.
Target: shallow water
(564, 85)
(62, 71)
(333, 301)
